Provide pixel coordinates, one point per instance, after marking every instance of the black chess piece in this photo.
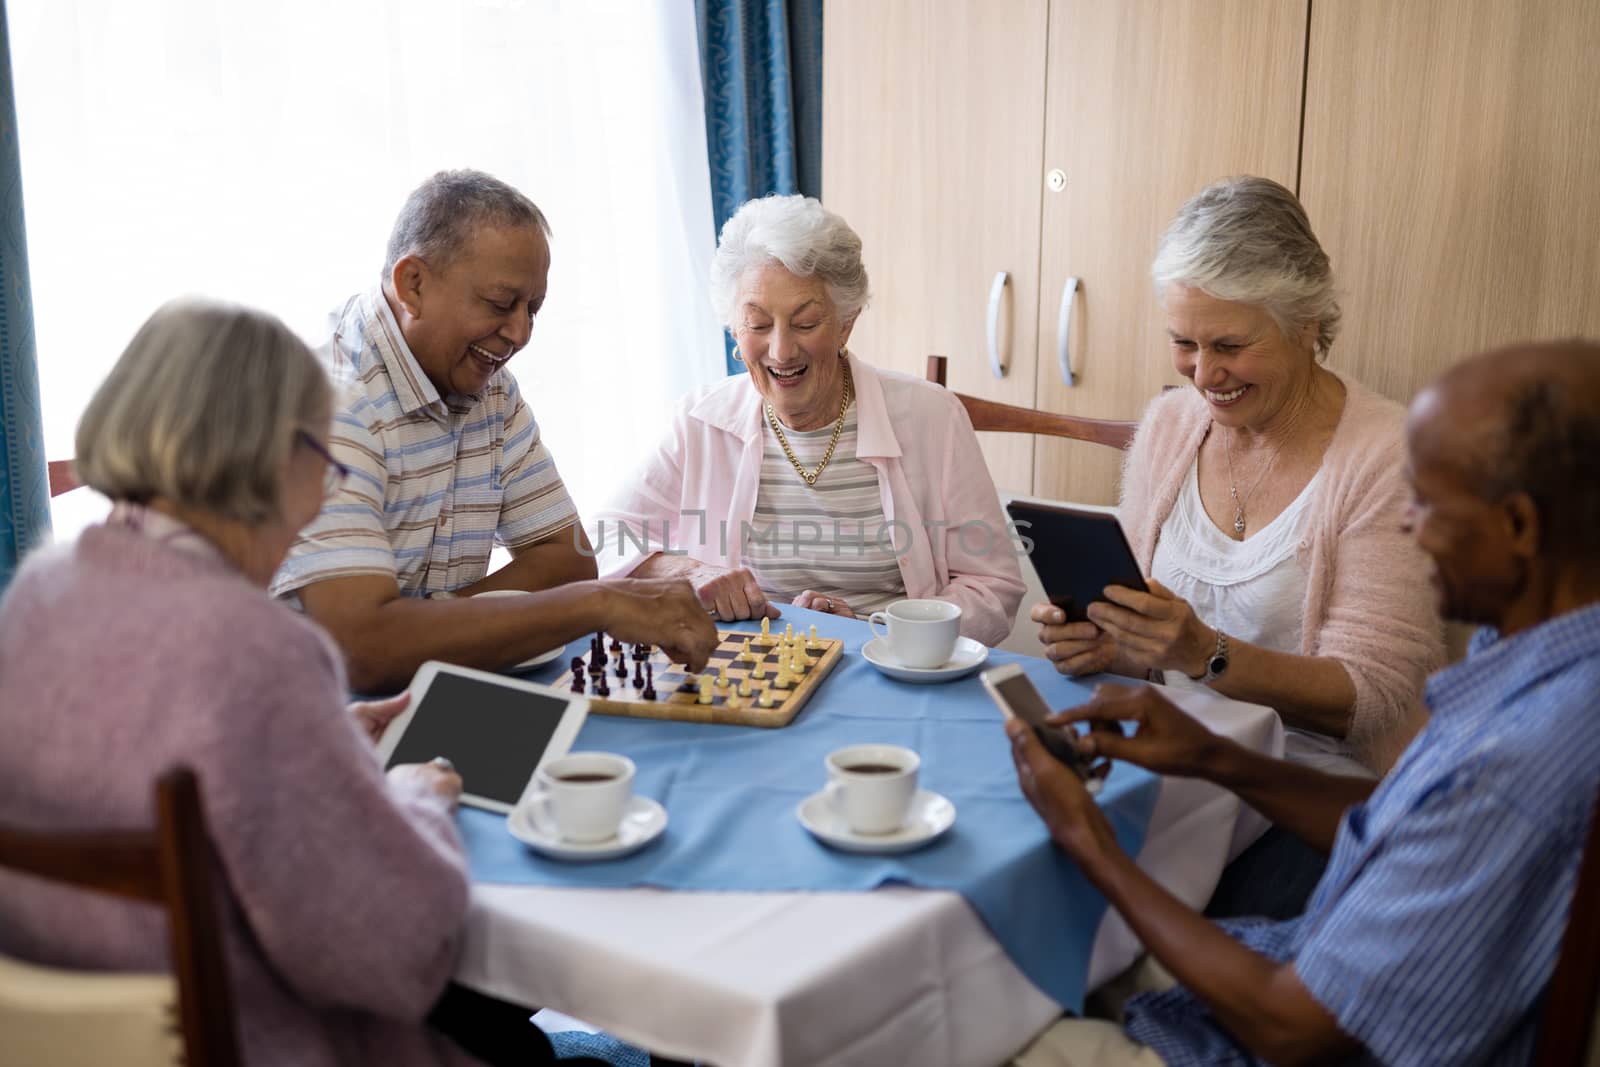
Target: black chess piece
(622, 668)
(616, 645)
(600, 686)
(638, 676)
(576, 665)
(649, 682)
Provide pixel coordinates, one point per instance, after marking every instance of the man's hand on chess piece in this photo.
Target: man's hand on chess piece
(664, 612)
(823, 602)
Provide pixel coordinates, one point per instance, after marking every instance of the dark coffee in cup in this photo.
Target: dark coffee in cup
(872, 768)
(585, 777)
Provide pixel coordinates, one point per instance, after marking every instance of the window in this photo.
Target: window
(259, 153)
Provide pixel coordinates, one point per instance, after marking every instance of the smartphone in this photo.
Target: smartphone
(1018, 698)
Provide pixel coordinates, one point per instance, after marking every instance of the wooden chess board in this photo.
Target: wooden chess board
(678, 689)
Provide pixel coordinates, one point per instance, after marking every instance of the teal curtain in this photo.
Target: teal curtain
(24, 481)
(761, 65)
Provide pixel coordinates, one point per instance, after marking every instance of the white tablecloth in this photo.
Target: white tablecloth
(893, 976)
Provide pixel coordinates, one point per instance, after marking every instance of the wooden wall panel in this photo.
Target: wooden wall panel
(1452, 170)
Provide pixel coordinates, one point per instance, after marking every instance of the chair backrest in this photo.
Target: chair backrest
(63, 479)
(1569, 1033)
(994, 416)
(171, 866)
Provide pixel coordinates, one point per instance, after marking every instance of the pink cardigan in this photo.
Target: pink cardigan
(931, 476)
(342, 898)
(1368, 601)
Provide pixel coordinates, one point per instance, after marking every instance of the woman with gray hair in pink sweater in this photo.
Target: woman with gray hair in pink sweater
(152, 642)
(1266, 503)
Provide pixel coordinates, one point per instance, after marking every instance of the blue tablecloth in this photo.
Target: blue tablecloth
(731, 794)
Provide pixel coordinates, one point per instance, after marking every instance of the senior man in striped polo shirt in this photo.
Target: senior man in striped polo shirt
(1435, 929)
(441, 458)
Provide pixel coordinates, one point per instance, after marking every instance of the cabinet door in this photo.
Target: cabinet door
(1149, 101)
(933, 124)
(1452, 149)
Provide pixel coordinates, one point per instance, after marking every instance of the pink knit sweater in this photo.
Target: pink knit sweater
(1368, 601)
(342, 897)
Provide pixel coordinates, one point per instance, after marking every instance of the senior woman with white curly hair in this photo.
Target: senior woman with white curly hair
(816, 478)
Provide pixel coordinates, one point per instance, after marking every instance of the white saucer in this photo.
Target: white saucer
(930, 816)
(642, 822)
(540, 660)
(967, 657)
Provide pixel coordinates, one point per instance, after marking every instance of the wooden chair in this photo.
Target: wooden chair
(1569, 1038)
(54, 1016)
(1009, 418)
(63, 479)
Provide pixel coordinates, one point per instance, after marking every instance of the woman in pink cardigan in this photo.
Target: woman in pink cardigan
(815, 479)
(1267, 501)
(152, 642)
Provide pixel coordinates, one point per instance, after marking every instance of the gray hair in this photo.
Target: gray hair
(440, 215)
(803, 236)
(202, 410)
(1248, 240)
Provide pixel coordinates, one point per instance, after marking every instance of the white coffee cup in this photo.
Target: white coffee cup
(921, 633)
(872, 786)
(587, 792)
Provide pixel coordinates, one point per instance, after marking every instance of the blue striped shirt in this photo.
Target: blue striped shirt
(434, 481)
(1436, 926)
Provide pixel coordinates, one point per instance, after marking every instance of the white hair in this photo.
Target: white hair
(202, 409)
(1248, 240)
(802, 235)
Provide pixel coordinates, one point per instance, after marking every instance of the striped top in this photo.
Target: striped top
(831, 537)
(434, 482)
(1436, 927)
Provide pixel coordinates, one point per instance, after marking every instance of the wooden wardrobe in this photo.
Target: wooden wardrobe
(1010, 165)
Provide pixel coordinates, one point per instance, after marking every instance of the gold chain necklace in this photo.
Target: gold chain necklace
(838, 428)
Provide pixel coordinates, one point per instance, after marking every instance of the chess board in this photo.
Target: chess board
(678, 689)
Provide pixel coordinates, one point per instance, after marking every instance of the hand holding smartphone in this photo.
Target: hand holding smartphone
(1018, 698)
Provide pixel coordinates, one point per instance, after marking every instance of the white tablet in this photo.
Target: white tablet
(496, 730)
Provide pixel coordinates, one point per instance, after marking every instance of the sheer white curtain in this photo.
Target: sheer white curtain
(259, 152)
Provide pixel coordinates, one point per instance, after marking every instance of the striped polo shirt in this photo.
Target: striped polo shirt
(830, 537)
(434, 481)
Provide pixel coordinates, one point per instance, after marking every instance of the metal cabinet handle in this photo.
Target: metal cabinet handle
(1064, 332)
(997, 292)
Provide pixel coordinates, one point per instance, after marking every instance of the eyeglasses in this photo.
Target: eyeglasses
(333, 473)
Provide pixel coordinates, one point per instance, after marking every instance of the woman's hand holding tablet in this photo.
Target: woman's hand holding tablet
(496, 731)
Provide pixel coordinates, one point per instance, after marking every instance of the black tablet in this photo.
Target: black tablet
(1077, 554)
(496, 730)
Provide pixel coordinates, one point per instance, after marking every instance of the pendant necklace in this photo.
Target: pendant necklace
(1233, 486)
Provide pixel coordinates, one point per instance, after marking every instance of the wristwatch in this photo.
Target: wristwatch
(1218, 663)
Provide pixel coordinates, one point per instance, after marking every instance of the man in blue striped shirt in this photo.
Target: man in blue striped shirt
(1435, 929)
